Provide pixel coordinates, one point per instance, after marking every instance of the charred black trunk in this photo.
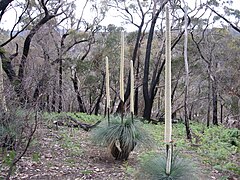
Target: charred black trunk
(81, 107)
(97, 106)
(215, 98)
(60, 107)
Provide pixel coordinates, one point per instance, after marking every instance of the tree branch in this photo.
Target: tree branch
(230, 23)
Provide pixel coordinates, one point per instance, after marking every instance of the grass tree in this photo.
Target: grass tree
(120, 134)
(170, 166)
(168, 112)
(107, 90)
(121, 79)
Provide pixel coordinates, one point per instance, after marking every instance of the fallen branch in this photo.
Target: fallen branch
(76, 124)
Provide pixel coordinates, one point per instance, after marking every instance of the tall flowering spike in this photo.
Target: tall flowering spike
(168, 120)
(107, 84)
(132, 88)
(122, 68)
(168, 162)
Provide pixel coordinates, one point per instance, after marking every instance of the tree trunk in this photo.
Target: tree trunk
(136, 89)
(221, 112)
(147, 109)
(81, 106)
(148, 98)
(209, 96)
(60, 81)
(188, 132)
(215, 98)
(54, 95)
(26, 47)
(97, 106)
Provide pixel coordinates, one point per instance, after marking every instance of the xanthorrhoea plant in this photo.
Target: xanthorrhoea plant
(121, 137)
(132, 90)
(107, 89)
(154, 167)
(121, 79)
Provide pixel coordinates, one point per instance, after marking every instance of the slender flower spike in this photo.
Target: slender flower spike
(168, 120)
(107, 84)
(132, 88)
(122, 68)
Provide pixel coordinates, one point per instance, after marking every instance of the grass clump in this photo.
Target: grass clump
(153, 167)
(121, 137)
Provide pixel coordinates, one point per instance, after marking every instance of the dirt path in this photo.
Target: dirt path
(69, 154)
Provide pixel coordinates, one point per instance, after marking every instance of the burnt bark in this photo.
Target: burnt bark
(81, 106)
(3, 5)
(221, 113)
(60, 81)
(97, 105)
(215, 99)
(209, 100)
(54, 98)
(148, 98)
(136, 92)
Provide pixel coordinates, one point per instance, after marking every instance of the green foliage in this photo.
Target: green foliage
(2, 51)
(83, 117)
(128, 133)
(11, 126)
(9, 157)
(217, 144)
(36, 156)
(87, 171)
(153, 167)
(128, 169)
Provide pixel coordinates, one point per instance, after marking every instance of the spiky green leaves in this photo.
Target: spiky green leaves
(121, 138)
(154, 168)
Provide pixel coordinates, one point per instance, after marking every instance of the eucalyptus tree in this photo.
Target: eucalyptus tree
(72, 37)
(203, 37)
(36, 16)
(149, 94)
(229, 11)
(228, 72)
(56, 24)
(150, 89)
